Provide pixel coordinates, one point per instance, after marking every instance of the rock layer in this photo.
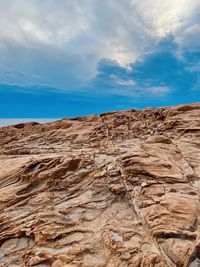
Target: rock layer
(114, 190)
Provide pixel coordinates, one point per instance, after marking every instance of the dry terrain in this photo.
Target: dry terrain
(115, 190)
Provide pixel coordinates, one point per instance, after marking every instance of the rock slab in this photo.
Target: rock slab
(118, 189)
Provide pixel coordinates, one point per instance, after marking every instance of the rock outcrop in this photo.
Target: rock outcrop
(115, 190)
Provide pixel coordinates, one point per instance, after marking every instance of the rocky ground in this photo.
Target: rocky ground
(115, 190)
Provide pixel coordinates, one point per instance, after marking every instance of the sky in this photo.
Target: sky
(76, 57)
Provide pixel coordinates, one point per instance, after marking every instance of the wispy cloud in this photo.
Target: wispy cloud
(158, 90)
(60, 43)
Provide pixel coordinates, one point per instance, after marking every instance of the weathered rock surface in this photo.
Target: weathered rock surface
(115, 190)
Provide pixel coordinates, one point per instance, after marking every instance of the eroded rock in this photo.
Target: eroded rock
(115, 190)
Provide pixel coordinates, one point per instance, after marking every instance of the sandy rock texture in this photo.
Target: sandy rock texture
(115, 190)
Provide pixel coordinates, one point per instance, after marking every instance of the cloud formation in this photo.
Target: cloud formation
(60, 43)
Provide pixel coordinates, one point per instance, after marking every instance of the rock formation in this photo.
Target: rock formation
(115, 190)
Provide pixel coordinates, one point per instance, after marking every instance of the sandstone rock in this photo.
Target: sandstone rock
(115, 190)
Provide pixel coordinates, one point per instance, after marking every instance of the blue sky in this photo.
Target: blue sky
(89, 56)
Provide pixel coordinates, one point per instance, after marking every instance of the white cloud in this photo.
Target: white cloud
(63, 41)
(118, 81)
(125, 82)
(158, 90)
(190, 38)
(166, 17)
(48, 21)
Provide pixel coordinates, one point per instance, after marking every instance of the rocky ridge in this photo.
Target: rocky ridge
(112, 190)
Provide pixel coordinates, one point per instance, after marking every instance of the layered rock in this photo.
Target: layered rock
(115, 190)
